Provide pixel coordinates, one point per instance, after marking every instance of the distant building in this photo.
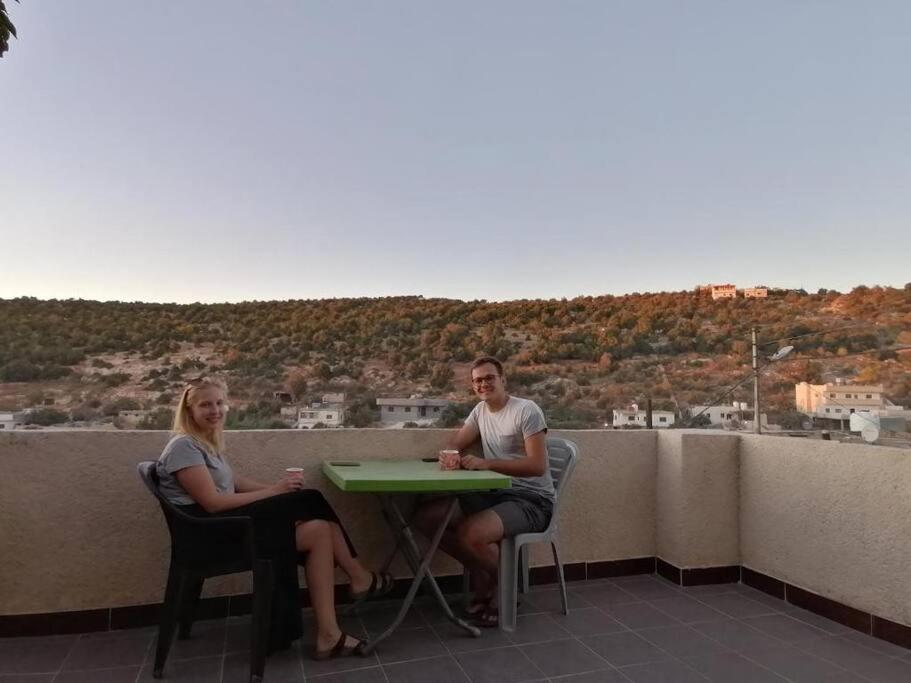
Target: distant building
(723, 292)
(11, 420)
(726, 416)
(633, 416)
(132, 416)
(839, 401)
(756, 292)
(283, 396)
(415, 409)
(337, 397)
(327, 415)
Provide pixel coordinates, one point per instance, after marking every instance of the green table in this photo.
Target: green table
(390, 478)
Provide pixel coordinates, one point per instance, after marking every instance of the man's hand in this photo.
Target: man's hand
(470, 462)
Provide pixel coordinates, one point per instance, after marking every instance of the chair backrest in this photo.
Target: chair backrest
(561, 457)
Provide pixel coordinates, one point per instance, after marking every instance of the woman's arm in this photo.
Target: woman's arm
(245, 484)
(197, 482)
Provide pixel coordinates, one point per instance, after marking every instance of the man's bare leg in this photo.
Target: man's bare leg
(478, 536)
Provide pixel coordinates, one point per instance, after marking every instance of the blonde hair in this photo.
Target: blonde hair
(186, 425)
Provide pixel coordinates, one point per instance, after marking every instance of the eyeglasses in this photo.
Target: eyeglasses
(486, 379)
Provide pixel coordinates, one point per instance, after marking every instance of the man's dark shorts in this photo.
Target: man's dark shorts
(520, 511)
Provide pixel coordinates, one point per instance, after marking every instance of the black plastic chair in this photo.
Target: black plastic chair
(203, 547)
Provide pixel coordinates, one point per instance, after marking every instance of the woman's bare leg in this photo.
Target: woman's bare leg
(315, 538)
(359, 576)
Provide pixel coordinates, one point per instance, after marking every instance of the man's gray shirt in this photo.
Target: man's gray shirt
(503, 435)
(181, 452)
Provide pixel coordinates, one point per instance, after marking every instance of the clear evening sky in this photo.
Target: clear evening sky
(227, 151)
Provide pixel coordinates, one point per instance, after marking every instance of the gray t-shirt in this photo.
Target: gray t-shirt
(503, 435)
(184, 451)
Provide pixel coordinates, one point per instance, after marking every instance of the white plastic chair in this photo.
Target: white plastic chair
(561, 457)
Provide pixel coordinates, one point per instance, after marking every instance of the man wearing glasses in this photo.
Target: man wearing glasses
(512, 432)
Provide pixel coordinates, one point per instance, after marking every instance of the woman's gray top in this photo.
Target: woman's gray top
(184, 451)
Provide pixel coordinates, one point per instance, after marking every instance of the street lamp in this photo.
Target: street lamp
(783, 352)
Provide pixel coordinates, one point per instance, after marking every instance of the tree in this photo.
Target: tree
(7, 29)
(46, 417)
(441, 376)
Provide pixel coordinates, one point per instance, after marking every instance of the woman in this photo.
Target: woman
(288, 519)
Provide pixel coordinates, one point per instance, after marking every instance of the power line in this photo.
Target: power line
(818, 332)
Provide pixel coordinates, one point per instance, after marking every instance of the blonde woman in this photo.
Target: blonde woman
(288, 518)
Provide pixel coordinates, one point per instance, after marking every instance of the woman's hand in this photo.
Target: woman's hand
(290, 482)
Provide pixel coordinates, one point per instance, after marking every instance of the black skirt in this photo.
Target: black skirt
(274, 521)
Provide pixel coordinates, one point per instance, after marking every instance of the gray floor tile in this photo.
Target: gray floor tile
(377, 619)
(784, 627)
(601, 676)
(207, 639)
(671, 671)
(26, 678)
(411, 643)
(736, 635)
(206, 670)
(109, 650)
(888, 670)
(877, 644)
(126, 674)
(801, 667)
(550, 601)
(709, 589)
(588, 621)
(681, 641)
(605, 595)
(34, 655)
(535, 628)
(736, 605)
(648, 587)
(560, 658)
(827, 625)
(372, 675)
(725, 667)
(844, 653)
(687, 610)
(640, 615)
(439, 670)
(282, 667)
(770, 601)
(621, 649)
(501, 665)
(458, 640)
(330, 666)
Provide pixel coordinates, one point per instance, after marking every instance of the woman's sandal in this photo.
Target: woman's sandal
(340, 649)
(380, 585)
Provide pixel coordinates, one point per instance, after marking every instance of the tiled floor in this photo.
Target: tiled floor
(639, 628)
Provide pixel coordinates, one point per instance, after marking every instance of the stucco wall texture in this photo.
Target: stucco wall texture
(79, 531)
(832, 518)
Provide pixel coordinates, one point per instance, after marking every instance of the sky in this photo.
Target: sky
(235, 151)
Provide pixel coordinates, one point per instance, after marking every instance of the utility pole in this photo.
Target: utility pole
(757, 426)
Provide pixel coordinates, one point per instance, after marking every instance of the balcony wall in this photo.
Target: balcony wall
(79, 531)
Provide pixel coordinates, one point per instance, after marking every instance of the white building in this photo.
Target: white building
(415, 409)
(839, 401)
(633, 416)
(756, 292)
(720, 415)
(327, 415)
(9, 420)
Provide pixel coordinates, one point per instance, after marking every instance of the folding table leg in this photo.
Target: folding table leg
(409, 547)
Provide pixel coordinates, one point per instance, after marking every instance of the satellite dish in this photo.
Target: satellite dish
(870, 433)
(781, 353)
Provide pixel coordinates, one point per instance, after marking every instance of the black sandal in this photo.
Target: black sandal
(340, 649)
(476, 608)
(380, 585)
(489, 618)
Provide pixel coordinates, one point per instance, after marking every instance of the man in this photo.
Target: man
(512, 432)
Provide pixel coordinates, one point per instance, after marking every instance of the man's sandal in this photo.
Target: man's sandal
(380, 585)
(489, 618)
(340, 649)
(476, 608)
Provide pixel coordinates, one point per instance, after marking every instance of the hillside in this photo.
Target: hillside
(579, 357)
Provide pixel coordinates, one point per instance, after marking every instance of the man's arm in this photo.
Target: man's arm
(466, 436)
(532, 465)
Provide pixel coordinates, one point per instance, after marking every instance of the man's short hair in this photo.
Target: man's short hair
(487, 360)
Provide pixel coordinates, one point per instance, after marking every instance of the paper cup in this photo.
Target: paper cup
(449, 460)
